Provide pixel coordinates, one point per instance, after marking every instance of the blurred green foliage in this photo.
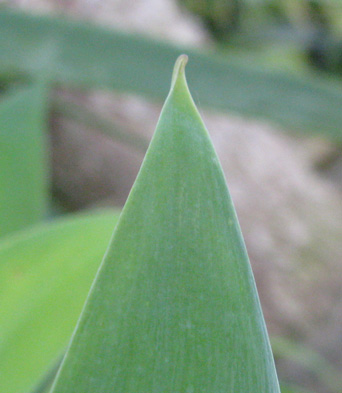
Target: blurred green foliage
(83, 55)
(24, 173)
(45, 275)
(311, 29)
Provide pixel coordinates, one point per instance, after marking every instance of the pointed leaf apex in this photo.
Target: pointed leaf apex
(174, 307)
(179, 69)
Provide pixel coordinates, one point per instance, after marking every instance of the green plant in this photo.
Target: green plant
(45, 274)
(46, 268)
(23, 158)
(79, 54)
(174, 306)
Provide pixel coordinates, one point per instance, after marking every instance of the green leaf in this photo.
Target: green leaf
(45, 275)
(24, 187)
(174, 306)
(84, 55)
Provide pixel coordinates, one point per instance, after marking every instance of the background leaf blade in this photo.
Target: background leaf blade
(24, 173)
(45, 275)
(79, 54)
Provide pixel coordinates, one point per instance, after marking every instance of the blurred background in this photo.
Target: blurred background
(81, 88)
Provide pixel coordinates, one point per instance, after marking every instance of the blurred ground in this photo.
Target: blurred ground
(290, 215)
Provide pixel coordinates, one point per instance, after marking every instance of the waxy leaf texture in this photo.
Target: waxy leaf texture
(174, 307)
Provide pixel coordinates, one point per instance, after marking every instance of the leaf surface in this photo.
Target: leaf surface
(24, 188)
(45, 275)
(84, 55)
(174, 306)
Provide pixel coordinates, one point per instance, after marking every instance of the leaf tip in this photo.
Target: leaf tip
(179, 69)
